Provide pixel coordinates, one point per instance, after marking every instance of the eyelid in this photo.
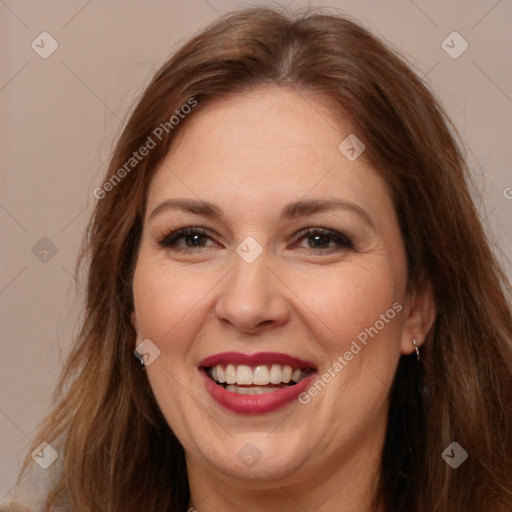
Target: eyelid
(175, 234)
(341, 238)
(169, 239)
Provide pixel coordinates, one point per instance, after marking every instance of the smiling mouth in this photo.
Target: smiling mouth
(255, 380)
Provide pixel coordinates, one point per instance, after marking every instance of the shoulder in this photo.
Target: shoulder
(30, 493)
(14, 507)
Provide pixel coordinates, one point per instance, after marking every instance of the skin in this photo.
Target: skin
(251, 154)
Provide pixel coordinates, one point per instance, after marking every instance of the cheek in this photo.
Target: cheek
(348, 301)
(165, 298)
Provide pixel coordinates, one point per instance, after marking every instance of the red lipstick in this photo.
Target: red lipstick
(262, 403)
(255, 359)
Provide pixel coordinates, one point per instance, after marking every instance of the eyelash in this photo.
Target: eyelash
(169, 240)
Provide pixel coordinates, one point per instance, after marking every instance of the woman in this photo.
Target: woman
(286, 240)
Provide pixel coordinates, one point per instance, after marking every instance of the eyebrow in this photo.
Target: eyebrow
(292, 210)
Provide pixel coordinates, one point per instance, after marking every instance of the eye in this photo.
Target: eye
(321, 239)
(193, 237)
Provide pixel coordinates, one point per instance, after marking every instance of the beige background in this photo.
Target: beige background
(59, 117)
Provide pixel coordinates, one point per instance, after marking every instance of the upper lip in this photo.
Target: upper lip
(255, 359)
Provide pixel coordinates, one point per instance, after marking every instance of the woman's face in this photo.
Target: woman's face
(257, 300)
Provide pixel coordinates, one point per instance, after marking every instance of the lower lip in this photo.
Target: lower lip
(255, 404)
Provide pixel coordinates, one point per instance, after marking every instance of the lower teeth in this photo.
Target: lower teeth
(252, 390)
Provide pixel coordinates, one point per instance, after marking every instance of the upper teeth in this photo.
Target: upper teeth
(260, 375)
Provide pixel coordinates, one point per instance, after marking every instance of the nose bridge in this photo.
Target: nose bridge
(251, 277)
(250, 264)
(251, 293)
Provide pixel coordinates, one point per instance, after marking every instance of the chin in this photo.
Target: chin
(257, 457)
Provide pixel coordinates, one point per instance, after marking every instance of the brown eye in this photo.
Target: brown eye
(193, 237)
(322, 239)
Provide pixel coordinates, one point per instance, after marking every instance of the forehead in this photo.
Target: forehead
(266, 147)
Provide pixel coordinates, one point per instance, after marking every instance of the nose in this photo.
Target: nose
(252, 296)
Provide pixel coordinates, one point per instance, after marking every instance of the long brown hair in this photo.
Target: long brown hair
(118, 453)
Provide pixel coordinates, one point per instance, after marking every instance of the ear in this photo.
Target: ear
(419, 316)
